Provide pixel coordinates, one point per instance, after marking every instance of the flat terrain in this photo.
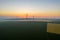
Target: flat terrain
(16, 30)
(53, 28)
(29, 30)
(53, 36)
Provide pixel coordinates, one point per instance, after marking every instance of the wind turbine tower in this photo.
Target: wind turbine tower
(26, 15)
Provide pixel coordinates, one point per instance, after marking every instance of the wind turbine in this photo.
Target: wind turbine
(26, 15)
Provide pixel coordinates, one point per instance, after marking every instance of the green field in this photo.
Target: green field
(16, 30)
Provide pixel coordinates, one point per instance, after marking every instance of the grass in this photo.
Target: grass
(16, 30)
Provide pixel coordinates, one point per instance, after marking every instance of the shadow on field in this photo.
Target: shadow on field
(16, 30)
(53, 36)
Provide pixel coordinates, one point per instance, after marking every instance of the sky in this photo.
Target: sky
(36, 8)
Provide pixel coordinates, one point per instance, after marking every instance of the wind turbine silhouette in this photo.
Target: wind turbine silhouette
(26, 15)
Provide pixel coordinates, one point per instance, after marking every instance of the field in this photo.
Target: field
(16, 30)
(53, 28)
(29, 30)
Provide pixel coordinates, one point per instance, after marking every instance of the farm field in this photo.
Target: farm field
(16, 30)
(21, 30)
(53, 28)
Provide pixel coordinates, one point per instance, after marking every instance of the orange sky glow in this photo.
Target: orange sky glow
(36, 8)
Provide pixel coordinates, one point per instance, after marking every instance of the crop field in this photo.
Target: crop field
(53, 28)
(16, 30)
(29, 30)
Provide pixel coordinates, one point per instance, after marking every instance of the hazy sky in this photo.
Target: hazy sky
(32, 7)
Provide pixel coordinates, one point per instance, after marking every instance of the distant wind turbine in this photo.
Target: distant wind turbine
(26, 15)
